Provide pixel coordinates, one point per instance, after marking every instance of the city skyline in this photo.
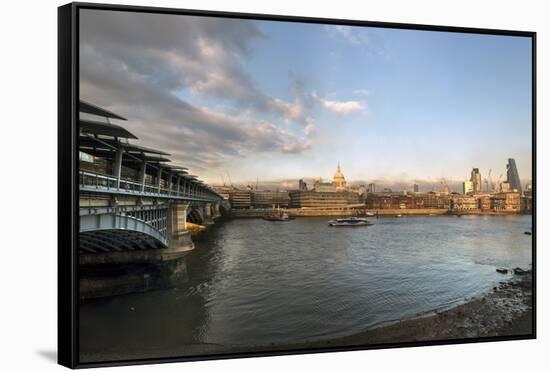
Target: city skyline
(426, 184)
(246, 99)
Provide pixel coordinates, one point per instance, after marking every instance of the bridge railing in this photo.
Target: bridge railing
(90, 179)
(103, 181)
(96, 181)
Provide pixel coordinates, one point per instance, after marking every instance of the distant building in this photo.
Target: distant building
(475, 178)
(464, 203)
(361, 190)
(415, 188)
(505, 187)
(338, 180)
(320, 186)
(338, 183)
(512, 176)
(302, 186)
(432, 200)
(528, 190)
(385, 200)
(484, 202)
(526, 204)
(241, 199)
(372, 188)
(266, 199)
(429, 200)
(468, 187)
(326, 200)
(223, 191)
(506, 201)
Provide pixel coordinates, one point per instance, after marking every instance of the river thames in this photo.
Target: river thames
(259, 283)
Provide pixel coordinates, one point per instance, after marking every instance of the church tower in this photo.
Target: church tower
(339, 181)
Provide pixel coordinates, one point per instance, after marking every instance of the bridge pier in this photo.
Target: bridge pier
(179, 238)
(208, 219)
(216, 210)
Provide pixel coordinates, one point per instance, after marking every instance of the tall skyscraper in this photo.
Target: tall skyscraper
(468, 187)
(372, 188)
(475, 178)
(415, 188)
(512, 176)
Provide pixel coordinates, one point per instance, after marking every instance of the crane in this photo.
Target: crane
(445, 186)
(488, 180)
(498, 181)
(230, 182)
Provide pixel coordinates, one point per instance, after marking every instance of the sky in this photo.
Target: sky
(277, 101)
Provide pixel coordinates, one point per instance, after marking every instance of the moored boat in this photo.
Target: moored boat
(277, 215)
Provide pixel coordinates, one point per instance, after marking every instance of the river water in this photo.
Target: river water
(254, 282)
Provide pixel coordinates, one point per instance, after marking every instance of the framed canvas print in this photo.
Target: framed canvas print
(236, 185)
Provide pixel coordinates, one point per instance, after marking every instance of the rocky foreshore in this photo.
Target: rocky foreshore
(504, 311)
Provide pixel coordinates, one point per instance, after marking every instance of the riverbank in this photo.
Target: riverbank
(318, 212)
(504, 311)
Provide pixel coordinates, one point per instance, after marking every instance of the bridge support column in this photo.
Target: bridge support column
(159, 179)
(179, 239)
(208, 219)
(142, 175)
(216, 210)
(118, 166)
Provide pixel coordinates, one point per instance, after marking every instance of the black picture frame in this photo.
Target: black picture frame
(68, 193)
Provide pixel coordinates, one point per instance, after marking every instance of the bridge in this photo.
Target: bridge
(134, 203)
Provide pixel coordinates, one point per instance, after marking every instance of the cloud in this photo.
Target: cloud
(296, 147)
(340, 107)
(361, 92)
(310, 126)
(352, 34)
(137, 64)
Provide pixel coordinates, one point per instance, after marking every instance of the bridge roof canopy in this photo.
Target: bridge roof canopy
(135, 148)
(111, 143)
(98, 111)
(107, 129)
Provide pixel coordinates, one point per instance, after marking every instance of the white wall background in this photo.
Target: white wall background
(28, 182)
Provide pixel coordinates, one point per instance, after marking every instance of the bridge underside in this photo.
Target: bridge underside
(115, 240)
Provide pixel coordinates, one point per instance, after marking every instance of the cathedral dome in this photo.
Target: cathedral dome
(339, 180)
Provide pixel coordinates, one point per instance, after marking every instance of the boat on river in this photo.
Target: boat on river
(277, 215)
(349, 222)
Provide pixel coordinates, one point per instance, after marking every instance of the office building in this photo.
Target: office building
(512, 176)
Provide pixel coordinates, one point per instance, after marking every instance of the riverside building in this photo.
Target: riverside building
(241, 199)
(266, 199)
(329, 195)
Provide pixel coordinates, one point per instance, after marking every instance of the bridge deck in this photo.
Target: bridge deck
(100, 183)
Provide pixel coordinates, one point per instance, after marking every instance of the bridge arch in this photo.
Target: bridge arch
(195, 215)
(117, 232)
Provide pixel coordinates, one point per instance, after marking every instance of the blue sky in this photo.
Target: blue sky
(437, 103)
(388, 104)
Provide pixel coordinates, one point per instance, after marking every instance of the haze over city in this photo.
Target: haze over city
(277, 102)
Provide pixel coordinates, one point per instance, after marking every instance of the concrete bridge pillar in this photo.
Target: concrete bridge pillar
(208, 219)
(179, 239)
(216, 210)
